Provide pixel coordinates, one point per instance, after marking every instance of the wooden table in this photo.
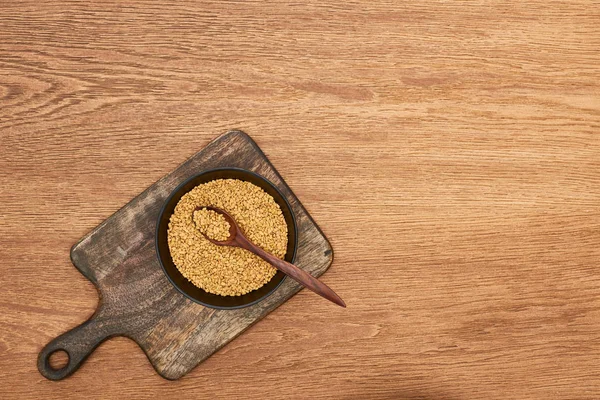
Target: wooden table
(449, 150)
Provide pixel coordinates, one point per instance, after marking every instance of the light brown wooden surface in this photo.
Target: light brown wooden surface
(449, 150)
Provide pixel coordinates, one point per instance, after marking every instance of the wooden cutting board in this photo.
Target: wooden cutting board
(137, 300)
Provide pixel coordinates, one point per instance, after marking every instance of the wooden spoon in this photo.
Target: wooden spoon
(237, 239)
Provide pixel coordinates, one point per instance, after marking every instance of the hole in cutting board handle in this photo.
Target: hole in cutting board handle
(58, 359)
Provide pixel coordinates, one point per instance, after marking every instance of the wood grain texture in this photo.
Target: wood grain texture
(464, 136)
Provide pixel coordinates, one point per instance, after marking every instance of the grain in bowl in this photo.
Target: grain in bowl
(226, 271)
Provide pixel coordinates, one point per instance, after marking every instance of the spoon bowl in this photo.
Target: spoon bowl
(233, 227)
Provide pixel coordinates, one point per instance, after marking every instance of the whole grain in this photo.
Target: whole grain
(227, 271)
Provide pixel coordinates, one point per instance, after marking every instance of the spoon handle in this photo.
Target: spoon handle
(297, 274)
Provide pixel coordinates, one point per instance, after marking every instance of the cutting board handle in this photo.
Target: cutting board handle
(78, 343)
